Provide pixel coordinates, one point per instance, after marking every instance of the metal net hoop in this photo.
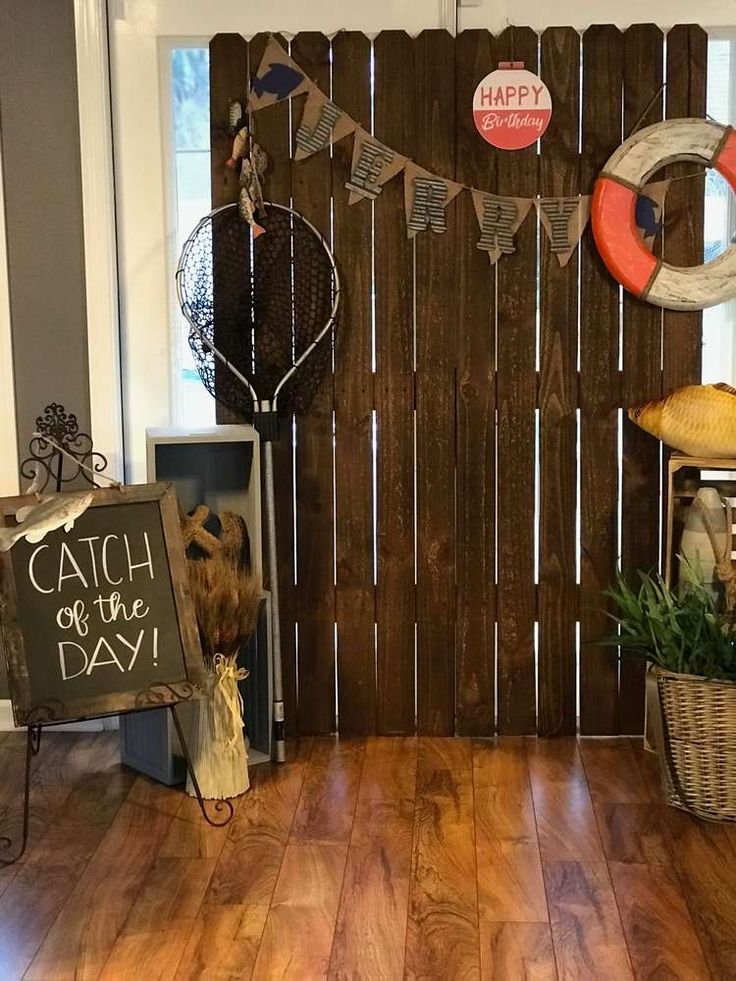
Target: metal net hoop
(261, 310)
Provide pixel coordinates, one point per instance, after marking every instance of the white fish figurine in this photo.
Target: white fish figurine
(37, 520)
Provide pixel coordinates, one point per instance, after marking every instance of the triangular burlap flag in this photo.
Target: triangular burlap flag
(425, 198)
(650, 211)
(499, 219)
(564, 221)
(277, 78)
(322, 123)
(373, 165)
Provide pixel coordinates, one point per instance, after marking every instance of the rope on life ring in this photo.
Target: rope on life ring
(614, 205)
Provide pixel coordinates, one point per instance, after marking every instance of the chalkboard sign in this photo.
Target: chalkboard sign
(98, 620)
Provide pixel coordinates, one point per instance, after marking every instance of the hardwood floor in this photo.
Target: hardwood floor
(367, 860)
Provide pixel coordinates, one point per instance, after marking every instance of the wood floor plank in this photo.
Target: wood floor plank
(586, 927)
(705, 859)
(442, 931)
(661, 938)
(516, 952)
(85, 931)
(223, 943)
(635, 832)
(251, 857)
(566, 821)
(327, 802)
(28, 908)
(173, 890)
(612, 772)
(153, 954)
(151, 793)
(191, 837)
(510, 881)
(371, 925)
(297, 938)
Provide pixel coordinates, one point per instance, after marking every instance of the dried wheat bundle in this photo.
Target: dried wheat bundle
(226, 601)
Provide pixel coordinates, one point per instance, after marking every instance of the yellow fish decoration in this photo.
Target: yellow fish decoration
(699, 420)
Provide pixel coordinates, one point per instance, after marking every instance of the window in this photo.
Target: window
(189, 200)
(719, 353)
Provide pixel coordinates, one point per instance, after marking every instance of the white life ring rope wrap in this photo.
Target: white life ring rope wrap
(614, 206)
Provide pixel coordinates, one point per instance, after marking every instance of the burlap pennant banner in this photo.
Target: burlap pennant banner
(322, 123)
(425, 198)
(499, 219)
(649, 214)
(564, 221)
(277, 78)
(427, 195)
(374, 164)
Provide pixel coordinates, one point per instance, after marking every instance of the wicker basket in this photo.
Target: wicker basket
(698, 744)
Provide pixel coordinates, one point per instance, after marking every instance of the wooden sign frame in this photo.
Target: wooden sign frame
(157, 695)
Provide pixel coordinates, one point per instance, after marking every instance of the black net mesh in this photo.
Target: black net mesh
(261, 302)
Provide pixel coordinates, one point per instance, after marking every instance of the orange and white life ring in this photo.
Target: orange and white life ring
(614, 205)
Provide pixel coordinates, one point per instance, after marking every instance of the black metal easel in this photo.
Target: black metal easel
(56, 438)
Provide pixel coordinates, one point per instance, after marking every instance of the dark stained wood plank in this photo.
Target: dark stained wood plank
(223, 943)
(566, 821)
(517, 952)
(516, 398)
(327, 802)
(436, 318)
(352, 229)
(476, 406)
(705, 859)
(228, 83)
(603, 65)
(510, 882)
(371, 925)
(442, 937)
(228, 56)
(586, 928)
(642, 341)
(315, 594)
(687, 75)
(661, 938)
(85, 931)
(297, 937)
(559, 175)
(251, 857)
(395, 124)
(272, 130)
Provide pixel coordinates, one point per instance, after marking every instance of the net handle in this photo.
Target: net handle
(184, 306)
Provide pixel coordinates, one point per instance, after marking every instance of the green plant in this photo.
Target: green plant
(685, 634)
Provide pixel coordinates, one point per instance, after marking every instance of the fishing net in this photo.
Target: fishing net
(259, 303)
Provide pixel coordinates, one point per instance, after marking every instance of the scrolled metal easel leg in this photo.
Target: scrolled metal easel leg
(219, 805)
(33, 744)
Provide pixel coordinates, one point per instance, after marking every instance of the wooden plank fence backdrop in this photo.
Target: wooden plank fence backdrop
(466, 480)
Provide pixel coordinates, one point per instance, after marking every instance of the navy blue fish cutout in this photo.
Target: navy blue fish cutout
(280, 80)
(647, 214)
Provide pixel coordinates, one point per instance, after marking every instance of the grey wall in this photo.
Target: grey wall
(43, 212)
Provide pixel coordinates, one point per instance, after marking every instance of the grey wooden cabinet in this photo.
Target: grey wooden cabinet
(219, 467)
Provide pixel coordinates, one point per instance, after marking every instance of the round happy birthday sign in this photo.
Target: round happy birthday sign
(512, 107)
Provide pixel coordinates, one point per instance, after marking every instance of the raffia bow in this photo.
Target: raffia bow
(227, 675)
